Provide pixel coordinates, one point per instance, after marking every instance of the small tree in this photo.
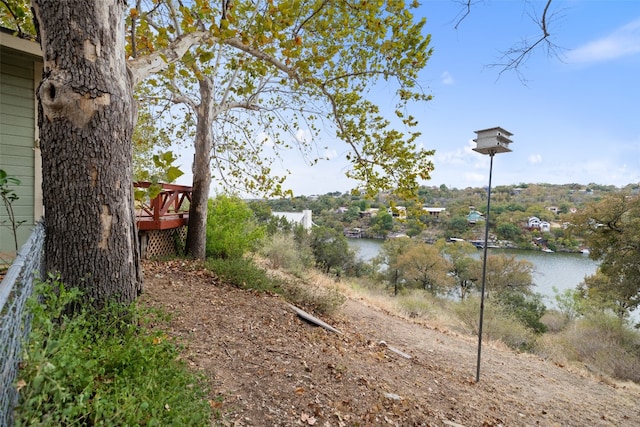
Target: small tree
(506, 274)
(456, 226)
(421, 265)
(604, 294)
(388, 256)
(352, 214)
(508, 231)
(330, 249)
(381, 224)
(463, 266)
(611, 228)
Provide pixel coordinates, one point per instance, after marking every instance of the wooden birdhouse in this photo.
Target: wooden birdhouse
(492, 141)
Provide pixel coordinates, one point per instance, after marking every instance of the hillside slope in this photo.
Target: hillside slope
(267, 367)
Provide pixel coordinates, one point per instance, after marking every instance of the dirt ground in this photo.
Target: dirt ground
(269, 367)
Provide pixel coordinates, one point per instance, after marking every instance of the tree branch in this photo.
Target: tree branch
(237, 43)
(314, 13)
(146, 65)
(514, 58)
(466, 4)
(517, 55)
(15, 18)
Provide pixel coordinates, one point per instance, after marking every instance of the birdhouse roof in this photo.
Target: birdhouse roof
(495, 130)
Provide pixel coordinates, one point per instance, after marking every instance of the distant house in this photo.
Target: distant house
(342, 209)
(554, 209)
(434, 211)
(369, 213)
(535, 223)
(303, 218)
(20, 74)
(397, 211)
(474, 216)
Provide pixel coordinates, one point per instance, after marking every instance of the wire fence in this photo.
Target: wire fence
(15, 289)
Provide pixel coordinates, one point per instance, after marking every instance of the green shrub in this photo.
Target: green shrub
(554, 320)
(527, 308)
(284, 252)
(243, 273)
(331, 249)
(570, 302)
(416, 303)
(604, 343)
(231, 228)
(497, 324)
(102, 368)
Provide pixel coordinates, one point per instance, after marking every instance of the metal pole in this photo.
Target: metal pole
(484, 267)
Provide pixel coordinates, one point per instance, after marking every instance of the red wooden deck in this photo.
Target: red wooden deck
(170, 209)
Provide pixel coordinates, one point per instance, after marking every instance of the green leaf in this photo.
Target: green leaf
(173, 173)
(206, 56)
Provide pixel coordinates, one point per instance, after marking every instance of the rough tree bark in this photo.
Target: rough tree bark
(197, 232)
(86, 118)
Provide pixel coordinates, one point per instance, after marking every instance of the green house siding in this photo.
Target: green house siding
(17, 141)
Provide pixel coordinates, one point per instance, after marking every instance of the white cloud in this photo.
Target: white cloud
(446, 78)
(303, 136)
(624, 41)
(535, 158)
(329, 154)
(264, 139)
(456, 157)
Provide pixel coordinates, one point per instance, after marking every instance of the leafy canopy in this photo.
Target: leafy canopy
(611, 228)
(284, 69)
(16, 15)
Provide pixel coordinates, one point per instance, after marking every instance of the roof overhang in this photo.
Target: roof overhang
(7, 39)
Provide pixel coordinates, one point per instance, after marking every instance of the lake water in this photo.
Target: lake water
(560, 270)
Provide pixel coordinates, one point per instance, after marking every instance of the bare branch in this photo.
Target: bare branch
(516, 56)
(464, 11)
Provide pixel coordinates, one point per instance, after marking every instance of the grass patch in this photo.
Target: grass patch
(103, 368)
(416, 304)
(245, 274)
(323, 300)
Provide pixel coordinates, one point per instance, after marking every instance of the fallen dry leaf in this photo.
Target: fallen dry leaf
(310, 420)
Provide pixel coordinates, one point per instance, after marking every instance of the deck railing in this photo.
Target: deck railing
(169, 209)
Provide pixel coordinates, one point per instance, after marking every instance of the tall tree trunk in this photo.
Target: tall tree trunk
(86, 117)
(197, 233)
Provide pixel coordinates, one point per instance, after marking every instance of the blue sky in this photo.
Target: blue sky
(576, 119)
